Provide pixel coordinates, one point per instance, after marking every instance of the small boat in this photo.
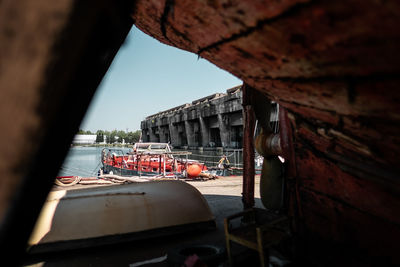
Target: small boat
(150, 159)
(82, 217)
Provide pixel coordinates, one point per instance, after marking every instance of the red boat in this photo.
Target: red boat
(150, 159)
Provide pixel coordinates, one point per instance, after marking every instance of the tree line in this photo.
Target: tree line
(115, 136)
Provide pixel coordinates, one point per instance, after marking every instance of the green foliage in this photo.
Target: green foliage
(84, 132)
(133, 137)
(100, 136)
(116, 136)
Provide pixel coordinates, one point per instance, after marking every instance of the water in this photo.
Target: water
(85, 161)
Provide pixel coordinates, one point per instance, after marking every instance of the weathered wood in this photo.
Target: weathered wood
(325, 176)
(353, 231)
(248, 147)
(332, 64)
(364, 138)
(281, 39)
(196, 25)
(374, 97)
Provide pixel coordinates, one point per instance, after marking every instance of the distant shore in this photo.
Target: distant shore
(101, 145)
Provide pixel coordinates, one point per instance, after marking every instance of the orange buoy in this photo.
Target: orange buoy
(194, 170)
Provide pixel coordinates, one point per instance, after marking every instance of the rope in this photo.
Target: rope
(76, 180)
(128, 179)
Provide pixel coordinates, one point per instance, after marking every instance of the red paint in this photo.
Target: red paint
(248, 148)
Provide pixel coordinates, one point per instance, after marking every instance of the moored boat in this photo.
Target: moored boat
(150, 159)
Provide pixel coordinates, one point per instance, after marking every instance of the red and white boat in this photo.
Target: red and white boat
(150, 159)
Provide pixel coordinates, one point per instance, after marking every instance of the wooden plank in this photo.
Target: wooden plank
(325, 176)
(248, 147)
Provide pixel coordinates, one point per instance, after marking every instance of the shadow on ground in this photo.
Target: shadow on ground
(123, 254)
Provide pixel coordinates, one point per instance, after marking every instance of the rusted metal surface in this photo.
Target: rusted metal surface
(248, 148)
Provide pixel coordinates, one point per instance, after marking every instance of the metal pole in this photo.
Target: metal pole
(248, 148)
(139, 157)
(186, 166)
(164, 165)
(159, 164)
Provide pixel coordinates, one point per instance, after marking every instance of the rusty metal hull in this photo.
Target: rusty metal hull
(75, 218)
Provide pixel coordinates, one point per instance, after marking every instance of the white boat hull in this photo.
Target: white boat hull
(82, 215)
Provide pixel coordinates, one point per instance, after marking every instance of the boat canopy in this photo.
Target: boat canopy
(155, 147)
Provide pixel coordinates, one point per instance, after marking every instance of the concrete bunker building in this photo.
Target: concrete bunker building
(208, 122)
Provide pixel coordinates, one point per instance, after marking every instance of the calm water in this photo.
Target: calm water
(82, 161)
(85, 161)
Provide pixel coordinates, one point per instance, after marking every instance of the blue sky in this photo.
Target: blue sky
(146, 77)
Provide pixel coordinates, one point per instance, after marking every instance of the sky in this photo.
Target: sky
(147, 77)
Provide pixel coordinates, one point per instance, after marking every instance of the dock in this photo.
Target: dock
(224, 196)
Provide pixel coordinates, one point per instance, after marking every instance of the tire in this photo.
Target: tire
(210, 254)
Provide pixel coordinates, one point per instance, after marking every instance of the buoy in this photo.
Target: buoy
(194, 170)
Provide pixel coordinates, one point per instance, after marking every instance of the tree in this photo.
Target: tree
(81, 131)
(107, 134)
(136, 136)
(121, 136)
(133, 137)
(113, 136)
(100, 136)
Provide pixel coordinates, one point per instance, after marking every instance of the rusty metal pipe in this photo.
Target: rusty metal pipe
(248, 148)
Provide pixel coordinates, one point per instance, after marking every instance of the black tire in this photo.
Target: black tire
(210, 254)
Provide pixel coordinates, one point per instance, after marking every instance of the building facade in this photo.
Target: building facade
(212, 121)
(84, 139)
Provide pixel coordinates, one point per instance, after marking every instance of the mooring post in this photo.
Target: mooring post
(248, 147)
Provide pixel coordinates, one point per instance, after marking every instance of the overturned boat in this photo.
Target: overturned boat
(101, 215)
(150, 159)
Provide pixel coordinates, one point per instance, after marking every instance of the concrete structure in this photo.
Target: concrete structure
(209, 122)
(212, 121)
